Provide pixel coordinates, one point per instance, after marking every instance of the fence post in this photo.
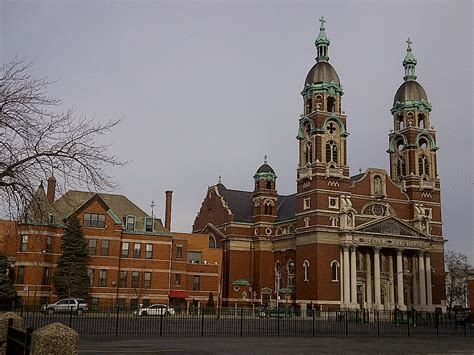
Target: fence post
(202, 322)
(465, 320)
(437, 323)
(70, 317)
(313, 320)
(117, 320)
(347, 324)
(278, 321)
(378, 324)
(29, 332)
(161, 323)
(408, 323)
(21, 310)
(241, 321)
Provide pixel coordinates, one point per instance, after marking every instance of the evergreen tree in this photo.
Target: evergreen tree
(210, 304)
(70, 278)
(7, 291)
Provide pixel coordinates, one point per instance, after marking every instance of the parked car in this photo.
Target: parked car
(280, 312)
(75, 305)
(155, 310)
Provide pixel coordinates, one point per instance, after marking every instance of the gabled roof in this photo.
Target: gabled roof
(241, 204)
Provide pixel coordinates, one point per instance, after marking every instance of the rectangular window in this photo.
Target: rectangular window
(307, 203)
(94, 220)
(333, 203)
(104, 250)
(49, 244)
(177, 280)
(125, 246)
(102, 278)
(130, 223)
(23, 243)
(92, 246)
(123, 279)
(194, 257)
(135, 279)
(147, 280)
(149, 251)
(90, 274)
(196, 283)
(21, 275)
(179, 252)
(148, 224)
(47, 276)
(137, 250)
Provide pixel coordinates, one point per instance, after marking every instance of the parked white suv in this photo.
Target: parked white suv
(155, 310)
(74, 305)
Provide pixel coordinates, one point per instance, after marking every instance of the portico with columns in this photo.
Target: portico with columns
(386, 265)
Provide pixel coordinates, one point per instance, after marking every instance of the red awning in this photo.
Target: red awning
(178, 294)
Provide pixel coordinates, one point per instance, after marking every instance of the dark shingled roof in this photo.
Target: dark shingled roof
(240, 203)
(357, 177)
(410, 90)
(322, 72)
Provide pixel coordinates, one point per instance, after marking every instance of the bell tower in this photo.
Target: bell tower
(321, 138)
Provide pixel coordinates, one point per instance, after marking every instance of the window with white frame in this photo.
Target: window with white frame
(305, 270)
(23, 243)
(307, 203)
(334, 221)
(335, 270)
(130, 223)
(277, 275)
(306, 221)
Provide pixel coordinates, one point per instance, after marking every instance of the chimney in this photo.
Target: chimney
(169, 196)
(51, 189)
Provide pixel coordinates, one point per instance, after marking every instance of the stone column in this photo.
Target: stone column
(429, 295)
(377, 278)
(341, 277)
(368, 280)
(400, 294)
(353, 276)
(391, 286)
(421, 269)
(347, 292)
(416, 296)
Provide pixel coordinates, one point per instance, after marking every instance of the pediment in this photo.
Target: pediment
(390, 226)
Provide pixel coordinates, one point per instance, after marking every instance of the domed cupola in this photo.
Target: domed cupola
(410, 93)
(265, 177)
(322, 87)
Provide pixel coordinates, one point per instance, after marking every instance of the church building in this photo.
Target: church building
(369, 241)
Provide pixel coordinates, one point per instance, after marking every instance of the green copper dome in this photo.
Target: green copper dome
(410, 91)
(322, 72)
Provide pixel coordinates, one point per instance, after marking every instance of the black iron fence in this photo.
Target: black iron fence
(18, 340)
(120, 321)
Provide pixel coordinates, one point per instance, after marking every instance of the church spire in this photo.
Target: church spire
(409, 63)
(322, 43)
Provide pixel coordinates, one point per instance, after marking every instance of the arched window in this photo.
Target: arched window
(268, 207)
(410, 119)
(277, 275)
(331, 152)
(331, 104)
(290, 269)
(399, 144)
(309, 105)
(350, 219)
(378, 188)
(334, 221)
(305, 268)
(401, 167)
(278, 231)
(423, 165)
(335, 270)
(319, 102)
(212, 242)
(423, 143)
(308, 153)
(401, 123)
(291, 229)
(421, 120)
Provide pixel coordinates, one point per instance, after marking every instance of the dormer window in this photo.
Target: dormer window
(130, 224)
(94, 220)
(148, 224)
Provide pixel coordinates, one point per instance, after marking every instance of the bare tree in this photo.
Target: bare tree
(459, 269)
(38, 140)
(141, 287)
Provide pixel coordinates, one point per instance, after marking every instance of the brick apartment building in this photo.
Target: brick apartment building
(133, 258)
(368, 241)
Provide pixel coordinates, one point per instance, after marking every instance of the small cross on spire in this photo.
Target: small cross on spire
(265, 159)
(220, 179)
(322, 20)
(409, 42)
(360, 170)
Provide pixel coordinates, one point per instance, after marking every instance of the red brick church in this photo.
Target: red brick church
(369, 241)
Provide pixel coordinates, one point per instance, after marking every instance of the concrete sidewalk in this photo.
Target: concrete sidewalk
(274, 345)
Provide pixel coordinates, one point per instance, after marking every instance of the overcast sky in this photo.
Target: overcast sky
(208, 88)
